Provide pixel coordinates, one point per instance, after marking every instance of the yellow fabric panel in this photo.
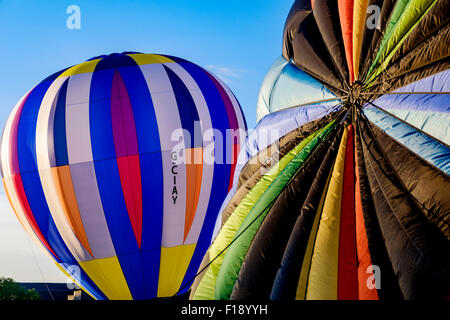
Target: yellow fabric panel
(359, 23)
(142, 58)
(323, 275)
(107, 274)
(68, 276)
(304, 273)
(173, 266)
(85, 67)
(206, 288)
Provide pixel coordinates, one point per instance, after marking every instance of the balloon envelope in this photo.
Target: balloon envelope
(107, 165)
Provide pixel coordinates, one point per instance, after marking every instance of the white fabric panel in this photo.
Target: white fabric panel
(91, 210)
(207, 169)
(44, 125)
(168, 119)
(78, 132)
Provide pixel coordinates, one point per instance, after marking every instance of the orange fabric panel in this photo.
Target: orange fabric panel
(194, 171)
(346, 18)
(64, 188)
(362, 245)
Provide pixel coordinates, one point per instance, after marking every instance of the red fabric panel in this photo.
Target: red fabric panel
(347, 263)
(346, 18)
(362, 245)
(130, 178)
(20, 192)
(235, 150)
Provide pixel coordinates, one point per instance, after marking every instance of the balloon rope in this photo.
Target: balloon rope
(403, 121)
(264, 210)
(39, 267)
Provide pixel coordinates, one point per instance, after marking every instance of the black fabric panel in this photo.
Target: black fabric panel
(419, 254)
(389, 289)
(311, 54)
(385, 13)
(286, 280)
(288, 271)
(326, 13)
(299, 10)
(435, 19)
(367, 41)
(431, 51)
(406, 77)
(428, 185)
(255, 168)
(264, 256)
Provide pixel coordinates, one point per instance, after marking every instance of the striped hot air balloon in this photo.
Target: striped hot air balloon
(349, 196)
(105, 165)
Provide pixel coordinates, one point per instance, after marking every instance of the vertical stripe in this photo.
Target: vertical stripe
(323, 275)
(346, 18)
(59, 156)
(193, 143)
(62, 183)
(359, 23)
(207, 166)
(150, 160)
(231, 156)
(347, 264)
(219, 120)
(67, 222)
(174, 171)
(105, 162)
(362, 243)
(300, 293)
(125, 141)
(81, 166)
(31, 183)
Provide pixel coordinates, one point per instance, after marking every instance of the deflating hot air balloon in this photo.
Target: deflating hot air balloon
(344, 190)
(112, 167)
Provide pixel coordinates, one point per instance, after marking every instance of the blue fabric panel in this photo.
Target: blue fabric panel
(151, 179)
(419, 143)
(295, 87)
(102, 140)
(152, 219)
(263, 105)
(219, 121)
(439, 82)
(116, 214)
(143, 109)
(189, 117)
(59, 129)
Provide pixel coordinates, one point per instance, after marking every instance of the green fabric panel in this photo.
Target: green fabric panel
(235, 254)
(406, 15)
(206, 287)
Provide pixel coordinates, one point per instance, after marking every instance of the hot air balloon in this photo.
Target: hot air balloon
(113, 167)
(349, 196)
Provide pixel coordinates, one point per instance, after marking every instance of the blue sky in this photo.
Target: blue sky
(236, 39)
